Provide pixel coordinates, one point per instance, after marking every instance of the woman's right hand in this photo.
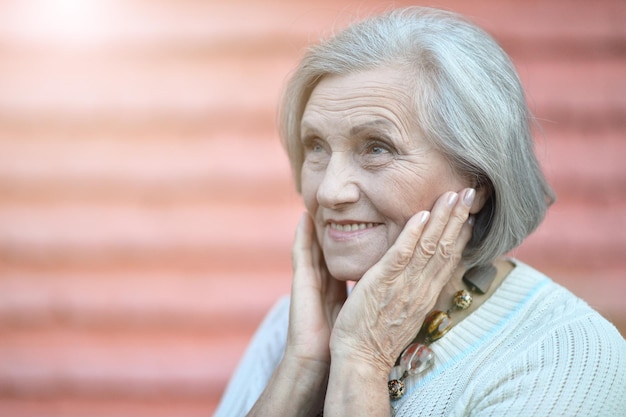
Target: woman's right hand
(298, 385)
(316, 299)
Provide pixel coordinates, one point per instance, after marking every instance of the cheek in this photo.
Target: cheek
(401, 196)
(415, 198)
(417, 187)
(309, 185)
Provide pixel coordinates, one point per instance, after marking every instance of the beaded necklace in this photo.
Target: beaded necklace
(418, 357)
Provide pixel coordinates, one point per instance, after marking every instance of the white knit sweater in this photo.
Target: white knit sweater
(532, 349)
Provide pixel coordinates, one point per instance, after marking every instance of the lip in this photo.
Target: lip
(347, 229)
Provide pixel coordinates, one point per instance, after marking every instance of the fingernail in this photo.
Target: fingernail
(424, 216)
(471, 220)
(452, 199)
(468, 199)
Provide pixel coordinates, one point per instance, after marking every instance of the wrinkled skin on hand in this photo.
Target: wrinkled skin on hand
(388, 305)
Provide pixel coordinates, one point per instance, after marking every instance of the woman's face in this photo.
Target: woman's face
(367, 169)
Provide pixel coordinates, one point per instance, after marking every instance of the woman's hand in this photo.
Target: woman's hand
(316, 299)
(388, 305)
(298, 386)
(365, 333)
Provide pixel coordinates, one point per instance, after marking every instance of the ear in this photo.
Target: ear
(483, 194)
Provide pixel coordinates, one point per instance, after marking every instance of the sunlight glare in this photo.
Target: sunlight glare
(68, 22)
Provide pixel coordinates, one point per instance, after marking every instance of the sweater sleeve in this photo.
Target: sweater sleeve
(578, 369)
(258, 363)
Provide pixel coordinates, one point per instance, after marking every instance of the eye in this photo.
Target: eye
(316, 147)
(316, 151)
(377, 148)
(312, 144)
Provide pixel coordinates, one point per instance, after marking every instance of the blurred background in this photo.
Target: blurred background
(146, 207)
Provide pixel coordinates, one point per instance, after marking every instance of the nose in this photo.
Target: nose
(339, 186)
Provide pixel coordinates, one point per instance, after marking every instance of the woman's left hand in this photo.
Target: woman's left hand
(388, 305)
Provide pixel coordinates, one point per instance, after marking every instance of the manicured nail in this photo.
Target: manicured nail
(452, 199)
(424, 217)
(468, 198)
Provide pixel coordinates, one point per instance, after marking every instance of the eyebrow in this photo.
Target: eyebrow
(374, 123)
(308, 130)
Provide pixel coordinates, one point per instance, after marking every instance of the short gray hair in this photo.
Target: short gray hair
(470, 106)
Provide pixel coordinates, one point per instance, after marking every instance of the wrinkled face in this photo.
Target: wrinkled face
(367, 169)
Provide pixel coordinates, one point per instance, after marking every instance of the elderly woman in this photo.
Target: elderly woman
(409, 139)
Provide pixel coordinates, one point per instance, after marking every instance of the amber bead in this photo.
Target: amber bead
(436, 325)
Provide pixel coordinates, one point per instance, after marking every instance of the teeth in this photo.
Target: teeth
(351, 227)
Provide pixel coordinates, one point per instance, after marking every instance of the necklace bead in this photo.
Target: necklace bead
(462, 299)
(396, 389)
(417, 359)
(436, 325)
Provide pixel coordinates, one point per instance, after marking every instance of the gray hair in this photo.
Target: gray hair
(470, 106)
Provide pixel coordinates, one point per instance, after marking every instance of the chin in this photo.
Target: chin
(345, 273)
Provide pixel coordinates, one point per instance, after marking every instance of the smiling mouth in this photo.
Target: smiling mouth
(352, 227)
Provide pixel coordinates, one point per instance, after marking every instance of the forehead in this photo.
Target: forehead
(375, 98)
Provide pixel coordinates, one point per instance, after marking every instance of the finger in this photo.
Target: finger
(306, 273)
(318, 263)
(455, 235)
(402, 251)
(457, 220)
(465, 235)
(428, 243)
(310, 267)
(301, 256)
